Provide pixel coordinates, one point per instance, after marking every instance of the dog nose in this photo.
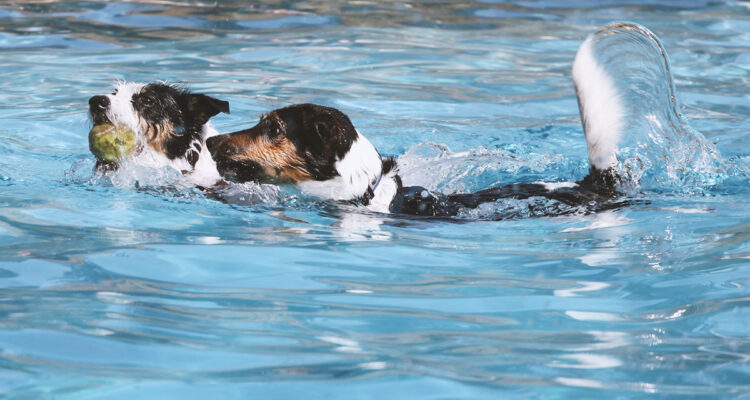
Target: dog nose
(97, 103)
(213, 145)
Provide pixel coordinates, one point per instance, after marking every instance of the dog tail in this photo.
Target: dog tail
(602, 109)
(635, 132)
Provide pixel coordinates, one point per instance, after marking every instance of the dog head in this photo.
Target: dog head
(166, 118)
(314, 146)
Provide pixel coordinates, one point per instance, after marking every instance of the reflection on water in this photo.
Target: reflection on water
(108, 291)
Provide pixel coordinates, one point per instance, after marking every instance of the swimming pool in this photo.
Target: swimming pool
(109, 291)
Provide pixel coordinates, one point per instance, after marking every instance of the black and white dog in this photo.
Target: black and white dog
(318, 149)
(171, 125)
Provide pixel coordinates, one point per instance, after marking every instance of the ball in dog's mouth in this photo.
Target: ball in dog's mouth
(110, 143)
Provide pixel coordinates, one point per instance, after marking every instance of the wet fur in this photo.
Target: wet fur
(318, 149)
(338, 163)
(293, 144)
(167, 119)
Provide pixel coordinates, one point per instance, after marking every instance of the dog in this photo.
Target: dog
(171, 125)
(630, 118)
(318, 149)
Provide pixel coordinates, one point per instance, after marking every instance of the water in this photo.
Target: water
(109, 291)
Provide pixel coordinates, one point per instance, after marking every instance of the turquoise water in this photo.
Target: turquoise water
(108, 291)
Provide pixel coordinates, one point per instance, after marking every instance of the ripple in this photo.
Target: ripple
(134, 285)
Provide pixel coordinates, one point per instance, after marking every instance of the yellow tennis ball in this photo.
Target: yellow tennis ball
(111, 143)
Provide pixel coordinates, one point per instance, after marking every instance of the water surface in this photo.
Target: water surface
(110, 292)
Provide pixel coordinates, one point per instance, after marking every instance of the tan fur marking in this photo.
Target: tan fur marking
(278, 157)
(156, 134)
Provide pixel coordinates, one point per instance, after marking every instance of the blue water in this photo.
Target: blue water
(110, 292)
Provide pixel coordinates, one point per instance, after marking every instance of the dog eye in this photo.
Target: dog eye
(274, 130)
(148, 101)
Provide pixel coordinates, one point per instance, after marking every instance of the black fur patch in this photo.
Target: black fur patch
(184, 112)
(322, 136)
(416, 200)
(240, 171)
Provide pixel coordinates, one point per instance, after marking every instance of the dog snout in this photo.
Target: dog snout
(228, 146)
(98, 103)
(214, 143)
(98, 106)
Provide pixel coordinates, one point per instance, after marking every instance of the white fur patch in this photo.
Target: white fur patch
(358, 169)
(121, 111)
(384, 193)
(205, 173)
(551, 186)
(601, 106)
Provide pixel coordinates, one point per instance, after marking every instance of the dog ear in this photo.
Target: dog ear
(202, 107)
(328, 129)
(323, 130)
(336, 134)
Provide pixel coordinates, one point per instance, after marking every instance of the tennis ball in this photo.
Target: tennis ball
(111, 143)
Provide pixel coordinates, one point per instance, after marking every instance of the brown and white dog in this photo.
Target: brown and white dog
(171, 125)
(318, 149)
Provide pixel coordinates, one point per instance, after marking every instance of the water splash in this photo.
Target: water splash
(166, 180)
(437, 167)
(249, 194)
(509, 209)
(657, 148)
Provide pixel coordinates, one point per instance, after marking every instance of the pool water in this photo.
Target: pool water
(115, 287)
